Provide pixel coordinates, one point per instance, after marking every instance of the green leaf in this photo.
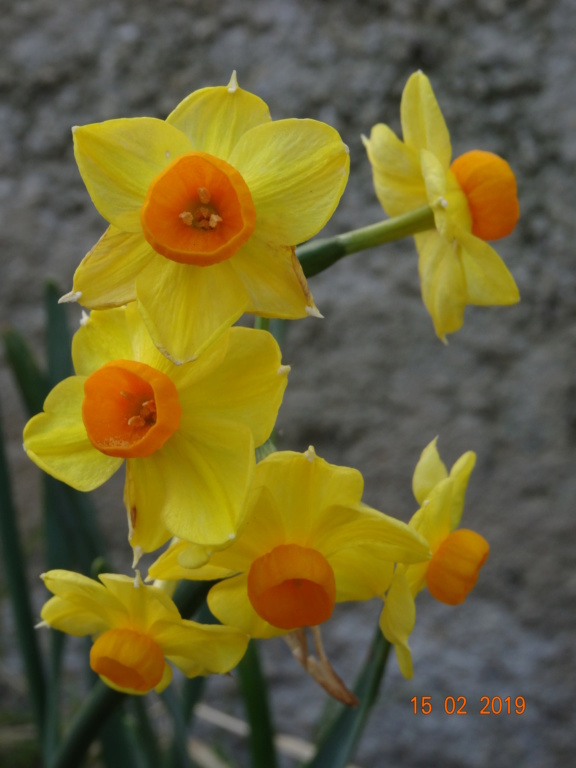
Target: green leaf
(19, 594)
(31, 380)
(339, 742)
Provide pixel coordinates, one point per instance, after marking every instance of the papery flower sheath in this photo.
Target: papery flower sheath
(473, 199)
(307, 543)
(457, 553)
(187, 433)
(137, 630)
(205, 209)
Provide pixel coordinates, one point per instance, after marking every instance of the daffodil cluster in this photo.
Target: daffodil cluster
(205, 210)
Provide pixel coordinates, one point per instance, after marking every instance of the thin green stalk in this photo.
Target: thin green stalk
(317, 255)
(190, 596)
(339, 742)
(148, 742)
(52, 725)
(100, 705)
(179, 755)
(19, 594)
(262, 323)
(254, 693)
(192, 690)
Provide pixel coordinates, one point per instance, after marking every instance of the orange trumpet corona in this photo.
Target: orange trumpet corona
(490, 188)
(198, 211)
(453, 570)
(128, 659)
(130, 409)
(292, 587)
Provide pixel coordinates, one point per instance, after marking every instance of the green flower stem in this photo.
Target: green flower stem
(339, 742)
(254, 693)
(180, 753)
(262, 323)
(317, 255)
(100, 704)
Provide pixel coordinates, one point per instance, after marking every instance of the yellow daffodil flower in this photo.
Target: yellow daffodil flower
(457, 553)
(205, 209)
(137, 630)
(187, 433)
(473, 200)
(307, 543)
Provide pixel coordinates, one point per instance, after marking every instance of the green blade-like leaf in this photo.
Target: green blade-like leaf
(340, 740)
(31, 380)
(19, 594)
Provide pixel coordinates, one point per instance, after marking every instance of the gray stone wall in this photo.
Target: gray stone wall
(370, 384)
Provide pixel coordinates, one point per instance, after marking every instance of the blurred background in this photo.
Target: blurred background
(370, 384)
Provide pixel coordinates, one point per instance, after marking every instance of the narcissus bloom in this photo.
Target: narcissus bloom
(473, 200)
(187, 433)
(457, 553)
(205, 209)
(137, 630)
(307, 543)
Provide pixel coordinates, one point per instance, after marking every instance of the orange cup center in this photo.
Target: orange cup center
(292, 586)
(128, 659)
(454, 567)
(490, 188)
(198, 211)
(130, 409)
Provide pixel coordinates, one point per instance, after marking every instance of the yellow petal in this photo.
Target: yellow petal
(442, 282)
(77, 594)
(263, 529)
(423, 125)
(143, 604)
(185, 308)
(430, 470)
(274, 280)
(207, 474)
(396, 170)
(488, 280)
(433, 519)
(72, 618)
(106, 276)
(118, 159)
(460, 474)
(339, 527)
(199, 649)
(397, 622)
(214, 119)
(305, 487)
(102, 337)
(359, 573)
(247, 387)
(144, 497)
(57, 442)
(296, 171)
(229, 602)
